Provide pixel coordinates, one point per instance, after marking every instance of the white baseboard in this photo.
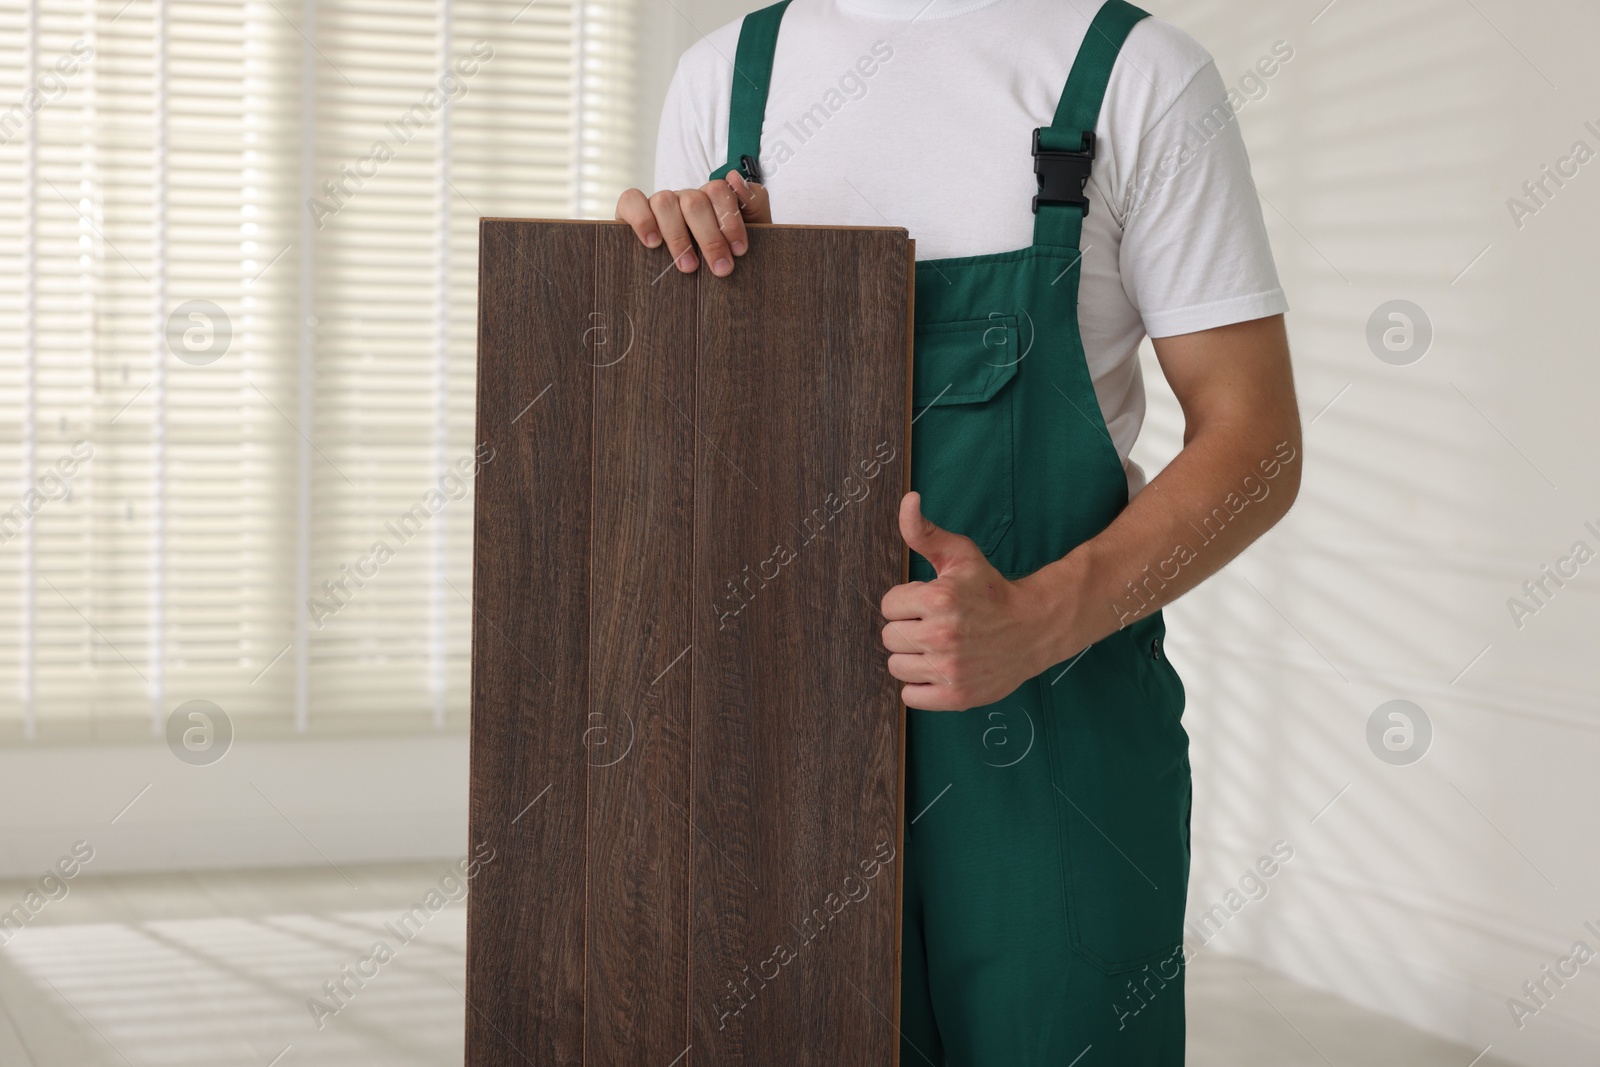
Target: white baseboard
(299, 802)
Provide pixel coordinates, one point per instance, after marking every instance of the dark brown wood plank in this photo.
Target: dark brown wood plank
(530, 670)
(687, 459)
(641, 663)
(797, 732)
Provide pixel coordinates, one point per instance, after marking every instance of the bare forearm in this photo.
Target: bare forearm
(1226, 488)
(1237, 475)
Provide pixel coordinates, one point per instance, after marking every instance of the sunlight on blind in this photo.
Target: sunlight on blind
(238, 254)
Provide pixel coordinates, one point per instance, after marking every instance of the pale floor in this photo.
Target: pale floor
(215, 968)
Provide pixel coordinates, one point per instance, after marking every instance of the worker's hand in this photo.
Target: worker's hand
(712, 216)
(966, 639)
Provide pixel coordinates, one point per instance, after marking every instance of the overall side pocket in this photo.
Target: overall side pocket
(963, 399)
(1123, 791)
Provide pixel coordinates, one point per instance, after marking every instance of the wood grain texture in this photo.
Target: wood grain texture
(641, 663)
(796, 761)
(530, 641)
(680, 549)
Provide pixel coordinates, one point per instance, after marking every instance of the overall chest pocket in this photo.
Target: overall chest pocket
(963, 434)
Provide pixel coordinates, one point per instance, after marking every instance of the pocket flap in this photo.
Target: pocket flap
(963, 362)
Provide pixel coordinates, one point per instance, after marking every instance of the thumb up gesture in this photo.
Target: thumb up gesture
(968, 638)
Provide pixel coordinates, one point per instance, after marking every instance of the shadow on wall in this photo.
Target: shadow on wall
(1444, 449)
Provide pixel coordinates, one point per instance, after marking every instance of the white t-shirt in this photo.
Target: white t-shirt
(917, 114)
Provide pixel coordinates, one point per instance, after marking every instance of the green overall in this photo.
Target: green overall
(1047, 835)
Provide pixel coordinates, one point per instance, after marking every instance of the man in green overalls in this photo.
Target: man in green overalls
(1048, 783)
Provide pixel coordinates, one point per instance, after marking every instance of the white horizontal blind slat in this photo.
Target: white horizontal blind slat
(154, 177)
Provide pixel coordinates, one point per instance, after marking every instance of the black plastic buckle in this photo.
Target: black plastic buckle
(750, 170)
(1063, 176)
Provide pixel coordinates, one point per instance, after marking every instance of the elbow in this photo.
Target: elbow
(1290, 454)
(1291, 488)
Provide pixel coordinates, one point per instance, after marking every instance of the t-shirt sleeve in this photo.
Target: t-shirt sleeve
(692, 137)
(680, 154)
(1194, 252)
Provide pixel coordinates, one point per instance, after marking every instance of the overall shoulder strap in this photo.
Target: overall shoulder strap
(752, 74)
(1064, 151)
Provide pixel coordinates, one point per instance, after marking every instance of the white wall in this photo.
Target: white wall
(1385, 153)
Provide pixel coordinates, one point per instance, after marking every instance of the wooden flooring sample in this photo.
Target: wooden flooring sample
(686, 752)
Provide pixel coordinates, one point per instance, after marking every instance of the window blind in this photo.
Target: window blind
(237, 322)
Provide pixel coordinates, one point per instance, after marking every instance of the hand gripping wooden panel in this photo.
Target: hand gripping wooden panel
(686, 752)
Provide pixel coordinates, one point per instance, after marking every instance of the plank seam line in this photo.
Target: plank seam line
(588, 658)
(689, 843)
